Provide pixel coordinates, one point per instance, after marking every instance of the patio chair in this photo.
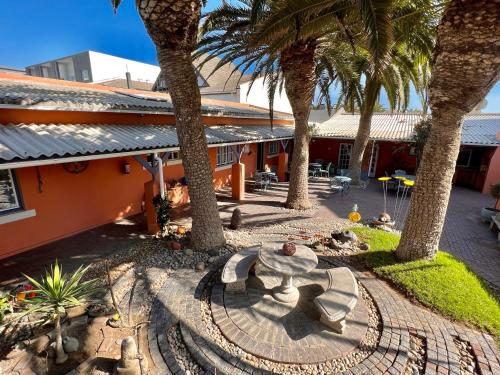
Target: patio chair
(325, 171)
(400, 172)
(338, 186)
(312, 172)
(261, 181)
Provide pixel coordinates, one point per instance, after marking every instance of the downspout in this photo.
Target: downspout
(159, 162)
(371, 158)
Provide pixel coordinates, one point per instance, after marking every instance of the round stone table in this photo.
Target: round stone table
(302, 261)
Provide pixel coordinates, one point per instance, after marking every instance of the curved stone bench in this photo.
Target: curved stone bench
(339, 298)
(236, 270)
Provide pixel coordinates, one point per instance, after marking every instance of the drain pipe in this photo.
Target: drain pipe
(159, 162)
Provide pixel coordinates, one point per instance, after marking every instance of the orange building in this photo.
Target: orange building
(74, 156)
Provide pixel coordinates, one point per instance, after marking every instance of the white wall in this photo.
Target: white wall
(105, 67)
(258, 96)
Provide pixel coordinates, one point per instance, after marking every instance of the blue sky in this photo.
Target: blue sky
(33, 31)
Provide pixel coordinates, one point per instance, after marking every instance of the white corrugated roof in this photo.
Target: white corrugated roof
(478, 129)
(58, 96)
(42, 141)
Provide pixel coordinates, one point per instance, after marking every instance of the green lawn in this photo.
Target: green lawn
(444, 284)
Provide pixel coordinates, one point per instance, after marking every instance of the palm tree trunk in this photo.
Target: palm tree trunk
(358, 150)
(465, 67)
(61, 356)
(371, 91)
(298, 69)
(173, 27)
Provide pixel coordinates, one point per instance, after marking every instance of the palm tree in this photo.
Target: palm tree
(173, 27)
(465, 66)
(401, 60)
(288, 55)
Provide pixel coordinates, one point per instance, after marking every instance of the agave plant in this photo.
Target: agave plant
(5, 307)
(56, 292)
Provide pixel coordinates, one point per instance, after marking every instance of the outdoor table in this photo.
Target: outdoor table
(410, 177)
(315, 165)
(302, 261)
(343, 179)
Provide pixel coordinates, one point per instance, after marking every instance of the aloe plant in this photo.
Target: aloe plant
(56, 292)
(5, 307)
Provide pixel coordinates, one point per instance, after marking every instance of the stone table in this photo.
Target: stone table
(302, 261)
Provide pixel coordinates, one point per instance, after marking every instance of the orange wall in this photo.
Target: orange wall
(493, 174)
(70, 203)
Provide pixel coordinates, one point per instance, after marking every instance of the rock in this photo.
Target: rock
(213, 252)
(129, 362)
(70, 344)
(289, 248)
(40, 344)
(76, 311)
(212, 259)
(188, 252)
(345, 236)
(174, 245)
(236, 219)
(200, 266)
(364, 246)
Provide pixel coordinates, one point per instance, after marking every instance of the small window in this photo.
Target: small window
(173, 155)
(274, 147)
(225, 155)
(10, 199)
(85, 75)
(464, 158)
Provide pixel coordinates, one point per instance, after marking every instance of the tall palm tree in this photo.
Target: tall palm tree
(285, 54)
(465, 66)
(173, 27)
(400, 63)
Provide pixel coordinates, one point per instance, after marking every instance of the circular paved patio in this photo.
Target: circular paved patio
(285, 332)
(199, 346)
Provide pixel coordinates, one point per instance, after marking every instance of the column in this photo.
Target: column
(238, 181)
(150, 191)
(282, 166)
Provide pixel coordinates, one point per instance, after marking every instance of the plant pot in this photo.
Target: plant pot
(487, 213)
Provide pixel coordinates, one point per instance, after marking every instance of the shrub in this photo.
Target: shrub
(162, 206)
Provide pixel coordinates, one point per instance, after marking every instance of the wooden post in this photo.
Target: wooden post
(282, 166)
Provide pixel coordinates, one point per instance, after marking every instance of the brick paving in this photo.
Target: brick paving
(464, 235)
(179, 302)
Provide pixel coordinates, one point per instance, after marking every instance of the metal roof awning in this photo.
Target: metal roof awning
(478, 129)
(38, 144)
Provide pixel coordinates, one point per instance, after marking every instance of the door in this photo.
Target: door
(372, 170)
(260, 156)
(345, 151)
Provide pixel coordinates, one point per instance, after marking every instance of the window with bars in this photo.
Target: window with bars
(345, 151)
(274, 147)
(225, 156)
(173, 155)
(10, 198)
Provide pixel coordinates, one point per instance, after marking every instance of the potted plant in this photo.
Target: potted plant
(54, 294)
(488, 212)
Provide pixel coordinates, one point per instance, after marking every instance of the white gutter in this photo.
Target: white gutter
(39, 162)
(160, 174)
(97, 110)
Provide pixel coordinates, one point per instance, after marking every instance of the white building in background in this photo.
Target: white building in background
(96, 67)
(229, 85)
